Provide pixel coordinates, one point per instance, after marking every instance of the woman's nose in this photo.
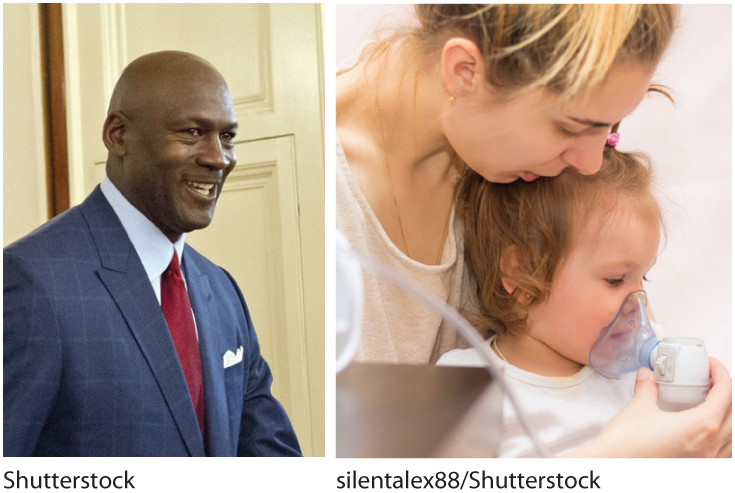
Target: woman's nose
(585, 154)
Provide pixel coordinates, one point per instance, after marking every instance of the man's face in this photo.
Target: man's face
(179, 151)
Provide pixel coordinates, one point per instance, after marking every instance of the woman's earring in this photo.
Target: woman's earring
(453, 98)
(528, 295)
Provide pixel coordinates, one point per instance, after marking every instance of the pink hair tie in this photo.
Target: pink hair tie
(612, 139)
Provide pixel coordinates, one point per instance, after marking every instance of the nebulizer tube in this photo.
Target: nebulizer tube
(463, 327)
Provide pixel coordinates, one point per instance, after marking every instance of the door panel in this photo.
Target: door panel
(268, 230)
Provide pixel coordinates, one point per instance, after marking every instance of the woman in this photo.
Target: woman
(513, 92)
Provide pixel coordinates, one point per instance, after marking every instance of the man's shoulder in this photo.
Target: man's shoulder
(69, 231)
(66, 228)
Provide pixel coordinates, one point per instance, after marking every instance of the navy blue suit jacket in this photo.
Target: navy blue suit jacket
(89, 367)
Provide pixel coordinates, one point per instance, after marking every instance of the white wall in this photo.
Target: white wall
(691, 146)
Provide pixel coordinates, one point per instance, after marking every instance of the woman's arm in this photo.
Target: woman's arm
(642, 430)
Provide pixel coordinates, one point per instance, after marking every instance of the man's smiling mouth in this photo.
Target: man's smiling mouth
(204, 189)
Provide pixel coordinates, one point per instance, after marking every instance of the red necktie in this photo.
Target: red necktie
(177, 310)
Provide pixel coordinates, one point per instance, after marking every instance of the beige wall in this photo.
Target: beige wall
(24, 175)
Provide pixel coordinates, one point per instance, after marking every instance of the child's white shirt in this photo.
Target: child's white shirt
(566, 412)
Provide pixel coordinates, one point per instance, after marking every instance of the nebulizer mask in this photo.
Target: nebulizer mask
(680, 365)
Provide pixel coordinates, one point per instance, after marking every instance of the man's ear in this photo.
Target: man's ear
(114, 133)
(463, 67)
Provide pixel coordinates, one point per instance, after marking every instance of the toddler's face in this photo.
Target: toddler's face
(609, 261)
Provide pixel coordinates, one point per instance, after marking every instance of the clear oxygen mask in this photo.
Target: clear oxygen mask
(626, 344)
(679, 364)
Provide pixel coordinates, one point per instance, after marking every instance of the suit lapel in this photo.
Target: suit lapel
(123, 275)
(217, 427)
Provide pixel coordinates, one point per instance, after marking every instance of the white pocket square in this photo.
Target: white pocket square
(231, 358)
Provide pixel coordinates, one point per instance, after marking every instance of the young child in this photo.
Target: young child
(554, 260)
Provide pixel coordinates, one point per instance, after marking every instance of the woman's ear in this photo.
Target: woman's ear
(114, 132)
(463, 67)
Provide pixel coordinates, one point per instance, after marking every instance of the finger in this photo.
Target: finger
(718, 372)
(719, 399)
(645, 387)
(726, 451)
(726, 430)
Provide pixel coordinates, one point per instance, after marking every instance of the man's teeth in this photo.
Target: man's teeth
(202, 188)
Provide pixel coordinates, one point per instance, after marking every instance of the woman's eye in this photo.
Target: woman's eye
(614, 282)
(569, 133)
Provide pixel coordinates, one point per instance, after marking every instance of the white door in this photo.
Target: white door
(268, 230)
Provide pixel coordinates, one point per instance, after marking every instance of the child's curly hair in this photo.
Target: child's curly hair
(539, 222)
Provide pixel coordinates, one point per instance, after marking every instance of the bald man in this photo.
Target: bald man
(120, 339)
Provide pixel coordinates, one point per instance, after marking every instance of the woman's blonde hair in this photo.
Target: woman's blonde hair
(538, 223)
(567, 49)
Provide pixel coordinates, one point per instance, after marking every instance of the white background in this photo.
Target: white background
(702, 149)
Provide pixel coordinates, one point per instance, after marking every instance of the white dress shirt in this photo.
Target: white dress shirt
(152, 246)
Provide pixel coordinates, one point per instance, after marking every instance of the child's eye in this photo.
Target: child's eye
(645, 278)
(614, 282)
